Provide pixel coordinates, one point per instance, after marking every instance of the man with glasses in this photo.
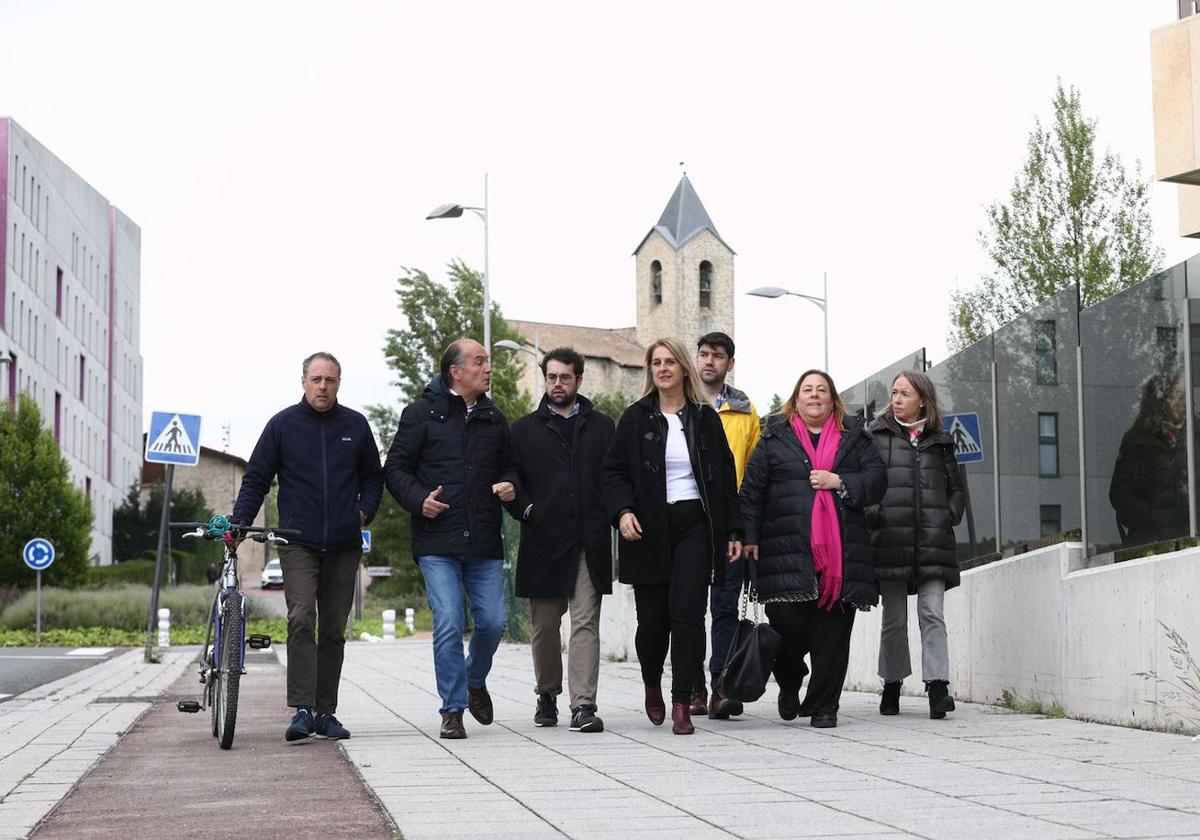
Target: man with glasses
(565, 559)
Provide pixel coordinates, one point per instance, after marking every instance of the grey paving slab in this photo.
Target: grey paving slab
(981, 772)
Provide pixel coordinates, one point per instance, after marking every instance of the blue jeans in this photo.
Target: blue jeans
(723, 603)
(445, 580)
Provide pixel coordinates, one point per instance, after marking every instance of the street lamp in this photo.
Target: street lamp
(453, 211)
(822, 302)
(509, 344)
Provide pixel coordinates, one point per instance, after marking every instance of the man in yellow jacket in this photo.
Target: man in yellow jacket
(714, 362)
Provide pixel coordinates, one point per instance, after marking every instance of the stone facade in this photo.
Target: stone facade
(681, 314)
(683, 245)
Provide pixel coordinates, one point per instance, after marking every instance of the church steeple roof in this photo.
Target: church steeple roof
(683, 219)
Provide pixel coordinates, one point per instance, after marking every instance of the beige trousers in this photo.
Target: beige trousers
(583, 651)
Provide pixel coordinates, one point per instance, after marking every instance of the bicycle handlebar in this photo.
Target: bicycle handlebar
(246, 529)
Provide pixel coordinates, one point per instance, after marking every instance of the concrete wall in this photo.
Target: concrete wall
(1035, 625)
(1046, 630)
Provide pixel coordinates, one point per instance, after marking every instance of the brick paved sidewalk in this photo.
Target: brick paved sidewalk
(168, 778)
(51, 735)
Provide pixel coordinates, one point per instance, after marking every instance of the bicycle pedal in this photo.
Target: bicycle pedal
(258, 641)
(189, 706)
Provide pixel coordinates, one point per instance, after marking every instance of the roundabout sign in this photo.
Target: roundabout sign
(38, 554)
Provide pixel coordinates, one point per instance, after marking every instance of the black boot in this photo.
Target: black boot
(940, 700)
(890, 704)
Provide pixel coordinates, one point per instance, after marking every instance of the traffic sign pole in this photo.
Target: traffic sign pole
(38, 554)
(151, 654)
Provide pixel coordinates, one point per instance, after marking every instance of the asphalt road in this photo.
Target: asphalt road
(24, 668)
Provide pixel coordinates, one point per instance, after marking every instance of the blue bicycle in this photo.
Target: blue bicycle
(224, 659)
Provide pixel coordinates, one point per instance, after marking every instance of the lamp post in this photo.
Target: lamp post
(536, 352)
(453, 211)
(822, 302)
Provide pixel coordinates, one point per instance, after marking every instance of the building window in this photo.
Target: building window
(1047, 360)
(82, 374)
(87, 487)
(1051, 520)
(705, 284)
(57, 417)
(58, 293)
(656, 281)
(1048, 445)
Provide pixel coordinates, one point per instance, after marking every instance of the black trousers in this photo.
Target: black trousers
(319, 590)
(672, 613)
(823, 635)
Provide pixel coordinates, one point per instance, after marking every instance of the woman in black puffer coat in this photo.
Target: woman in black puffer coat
(912, 532)
(800, 502)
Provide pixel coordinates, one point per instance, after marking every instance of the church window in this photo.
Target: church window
(705, 284)
(656, 281)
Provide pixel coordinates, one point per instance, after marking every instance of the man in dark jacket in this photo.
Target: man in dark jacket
(565, 562)
(330, 483)
(450, 466)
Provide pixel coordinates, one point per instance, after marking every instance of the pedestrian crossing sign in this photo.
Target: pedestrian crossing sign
(173, 439)
(964, 431)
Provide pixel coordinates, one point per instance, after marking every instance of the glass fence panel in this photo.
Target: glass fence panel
(964, 388)
(1135, 423)
(1037, 409)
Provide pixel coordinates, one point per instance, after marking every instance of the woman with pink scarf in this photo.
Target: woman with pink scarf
(805, 488)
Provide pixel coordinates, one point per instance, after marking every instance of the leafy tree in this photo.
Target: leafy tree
(135, 524)
(1072, 215)
(37, 499)
(391, 545)
(613, 405)
(434, 316)
(776, 405)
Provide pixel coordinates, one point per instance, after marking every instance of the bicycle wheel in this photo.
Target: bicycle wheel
(210, 666)
(230, 669)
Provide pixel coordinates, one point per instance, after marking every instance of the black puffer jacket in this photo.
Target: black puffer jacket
(777, 503)
(634, 478)
(437, 443)
(912, 529)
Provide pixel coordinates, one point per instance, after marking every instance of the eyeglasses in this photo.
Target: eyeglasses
(564, 378)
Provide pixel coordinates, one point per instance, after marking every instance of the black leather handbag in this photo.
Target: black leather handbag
(752, 652)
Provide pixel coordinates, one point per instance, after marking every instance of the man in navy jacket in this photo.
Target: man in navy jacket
(330, 484)
(450, 466)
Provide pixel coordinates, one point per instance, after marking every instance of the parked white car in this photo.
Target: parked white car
(272, 575)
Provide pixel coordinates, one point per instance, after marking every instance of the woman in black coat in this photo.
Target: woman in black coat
(912, 532)
(803, 495)
(671, 490)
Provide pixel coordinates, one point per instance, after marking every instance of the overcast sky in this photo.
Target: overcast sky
(280, 159)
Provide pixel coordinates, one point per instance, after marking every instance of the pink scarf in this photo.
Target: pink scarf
(826, 533)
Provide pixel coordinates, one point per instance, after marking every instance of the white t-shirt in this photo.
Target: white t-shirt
(681, 484)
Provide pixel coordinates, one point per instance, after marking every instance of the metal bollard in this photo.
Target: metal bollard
(409, 613)
(389, 625)
(164, 628)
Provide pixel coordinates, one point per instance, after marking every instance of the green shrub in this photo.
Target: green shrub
(123, 608)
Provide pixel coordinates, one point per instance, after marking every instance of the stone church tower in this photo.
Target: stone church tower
(684, 274)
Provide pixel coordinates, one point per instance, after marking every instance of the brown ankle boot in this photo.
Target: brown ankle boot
(656, 707)
(699, 704)
(681, 719)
